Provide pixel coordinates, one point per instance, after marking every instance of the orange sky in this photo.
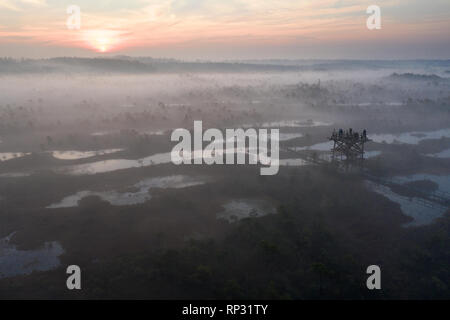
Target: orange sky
(222, 29)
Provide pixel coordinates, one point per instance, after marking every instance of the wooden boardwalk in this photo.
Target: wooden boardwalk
(430, 199)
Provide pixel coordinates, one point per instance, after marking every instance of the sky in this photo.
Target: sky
(226, 29)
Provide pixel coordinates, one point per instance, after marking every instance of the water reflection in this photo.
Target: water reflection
(410, 206)
(290, 124)
(75, 155)
(443, 181)
(4, 156)
(322, 146)
(115, 164)
(410, 137)
(236, 210)
(15, 262)
(140, 195)
(443, 154)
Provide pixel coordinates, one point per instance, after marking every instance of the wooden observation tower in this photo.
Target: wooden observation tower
(348, 145)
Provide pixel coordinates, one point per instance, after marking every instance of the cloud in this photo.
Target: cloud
(18, 5)
(35, 2)
(9, 4)
(153, 23)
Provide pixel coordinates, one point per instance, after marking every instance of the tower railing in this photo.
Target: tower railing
(348, 144)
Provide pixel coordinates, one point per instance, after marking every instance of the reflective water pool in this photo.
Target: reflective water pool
(290, 124)
(15, 262)
(115, 164)
(139, 194)
(410, 206)
(236, 210)
(75, 155)
(443, 181)
(442, 154)
(322, 146)
(410, 137)
(4, 156)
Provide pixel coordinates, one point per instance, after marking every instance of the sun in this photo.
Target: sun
(102, 44)
(101, 40)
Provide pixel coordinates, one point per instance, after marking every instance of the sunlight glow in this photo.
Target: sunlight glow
(101, 40)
